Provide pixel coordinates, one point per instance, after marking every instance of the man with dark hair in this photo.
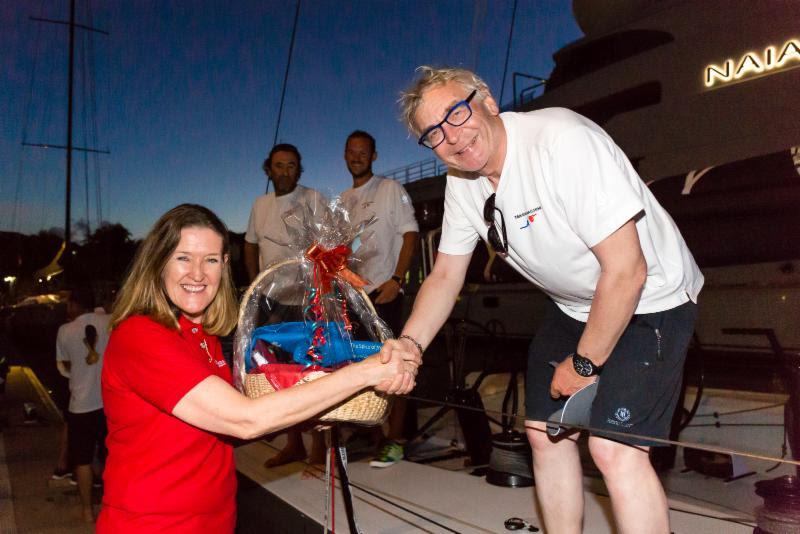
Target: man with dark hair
(263, 246)
(390, 249)
(79, 355)
(265, 229)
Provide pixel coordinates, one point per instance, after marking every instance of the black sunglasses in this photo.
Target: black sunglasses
(497, 243)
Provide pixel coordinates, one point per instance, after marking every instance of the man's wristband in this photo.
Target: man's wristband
(398, 279)
(414, 341)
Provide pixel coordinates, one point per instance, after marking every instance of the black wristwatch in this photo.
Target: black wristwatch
(398, 280)
(584, 366)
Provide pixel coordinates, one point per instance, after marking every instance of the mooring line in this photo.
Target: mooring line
(737, 412)
(685, 444)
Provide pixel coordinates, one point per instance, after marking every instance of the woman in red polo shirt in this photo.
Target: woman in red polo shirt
(168, 392)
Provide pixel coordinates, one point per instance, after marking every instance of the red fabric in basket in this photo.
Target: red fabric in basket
(285, 375)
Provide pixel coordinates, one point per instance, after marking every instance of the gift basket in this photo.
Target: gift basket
(297, 318)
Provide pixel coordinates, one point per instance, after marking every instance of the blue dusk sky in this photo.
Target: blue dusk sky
(187, 94)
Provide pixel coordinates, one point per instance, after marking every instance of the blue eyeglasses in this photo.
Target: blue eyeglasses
(458, 115)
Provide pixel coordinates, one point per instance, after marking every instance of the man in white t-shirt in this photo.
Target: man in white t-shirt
(265, 244)
(266, 236)
(551, 193)
(386, 253)
(79, 355)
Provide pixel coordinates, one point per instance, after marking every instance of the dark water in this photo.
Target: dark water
(28, 338)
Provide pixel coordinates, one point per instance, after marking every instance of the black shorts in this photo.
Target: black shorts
(86, 431)
(640, 382)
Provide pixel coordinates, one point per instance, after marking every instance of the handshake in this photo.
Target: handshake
(395, 367)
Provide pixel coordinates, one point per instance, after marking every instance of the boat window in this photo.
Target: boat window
(603, 109)
(739, 213)
(584, 57)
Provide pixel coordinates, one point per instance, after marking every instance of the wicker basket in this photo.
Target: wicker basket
(365, 408)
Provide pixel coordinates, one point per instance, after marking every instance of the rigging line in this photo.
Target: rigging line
(84, 118)
(42, 209)
(508, 53)
(47, 115)
(736, 412)
(93, 130)
(318, 473)
(107, 122)
(26, 120)
(286, 74)
(745, 521)
(33, 77)
(685, 444)
(784, 450)
(720, 425)
(476, 36)
(384, 499)
(312, 467)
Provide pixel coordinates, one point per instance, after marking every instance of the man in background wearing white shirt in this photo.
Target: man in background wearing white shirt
(79, 355)
(390, 247)
(265, 233)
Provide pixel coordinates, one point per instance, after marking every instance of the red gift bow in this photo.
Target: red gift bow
(332, 263)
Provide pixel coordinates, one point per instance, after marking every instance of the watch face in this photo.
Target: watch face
(583, 366)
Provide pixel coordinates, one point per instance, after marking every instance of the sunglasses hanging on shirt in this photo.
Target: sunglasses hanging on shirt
(499, 244)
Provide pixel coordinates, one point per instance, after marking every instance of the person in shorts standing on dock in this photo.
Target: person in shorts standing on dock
(553, 194)
(80, 345)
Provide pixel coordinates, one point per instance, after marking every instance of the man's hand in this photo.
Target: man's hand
(402, 348)
(405, 382)
(387, 292)
(566, 381)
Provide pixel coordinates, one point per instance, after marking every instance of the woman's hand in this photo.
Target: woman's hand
(392, 371)
(404, 350)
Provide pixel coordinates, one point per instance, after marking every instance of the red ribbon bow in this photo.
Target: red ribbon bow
(332, 263)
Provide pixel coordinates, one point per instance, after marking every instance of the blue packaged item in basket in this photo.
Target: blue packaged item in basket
(296, 338)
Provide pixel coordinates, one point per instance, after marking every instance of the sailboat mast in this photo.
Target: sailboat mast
(70, 80)
(70, 93)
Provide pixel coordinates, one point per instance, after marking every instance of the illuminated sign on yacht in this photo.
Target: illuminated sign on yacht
(772, 59)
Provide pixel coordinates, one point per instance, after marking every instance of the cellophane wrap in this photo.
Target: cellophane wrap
(315, 291)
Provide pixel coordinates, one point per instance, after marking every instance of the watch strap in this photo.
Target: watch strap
(596, 369)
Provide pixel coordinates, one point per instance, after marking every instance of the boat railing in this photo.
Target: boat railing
(417, 171)
(528, 93)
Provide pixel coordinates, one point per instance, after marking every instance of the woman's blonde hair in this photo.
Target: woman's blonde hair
(143, 291)
(429, 76)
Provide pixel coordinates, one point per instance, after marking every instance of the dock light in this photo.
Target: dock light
(10, 279)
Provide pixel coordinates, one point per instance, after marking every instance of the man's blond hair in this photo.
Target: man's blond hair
(431, 76)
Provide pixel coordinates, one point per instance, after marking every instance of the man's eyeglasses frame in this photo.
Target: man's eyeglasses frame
(423, 139)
